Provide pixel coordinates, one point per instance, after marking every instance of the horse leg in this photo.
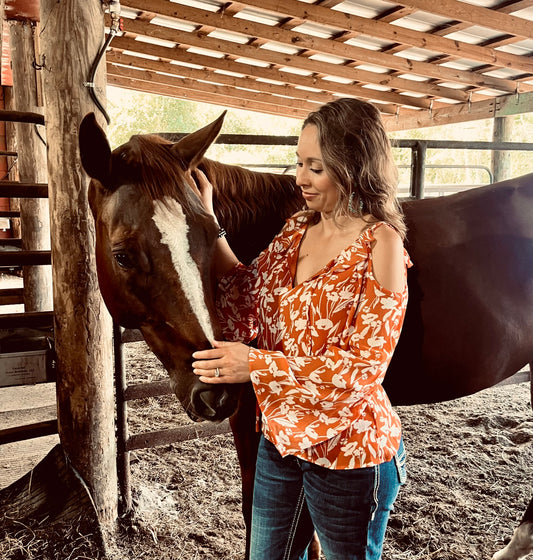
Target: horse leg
(522, 542)
(246, 440)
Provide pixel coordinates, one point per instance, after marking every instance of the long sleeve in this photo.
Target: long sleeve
(237, 304)
(241, 292)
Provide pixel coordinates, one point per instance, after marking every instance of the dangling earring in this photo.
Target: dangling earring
(351, 205)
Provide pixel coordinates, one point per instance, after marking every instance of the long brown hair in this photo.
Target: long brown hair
(357, 156)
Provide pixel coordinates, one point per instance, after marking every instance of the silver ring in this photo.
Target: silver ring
(217, 372)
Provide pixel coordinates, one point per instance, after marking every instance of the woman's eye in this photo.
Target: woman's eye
(123, 260)
(317, 171)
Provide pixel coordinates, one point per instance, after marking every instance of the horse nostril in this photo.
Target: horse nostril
(209, 399)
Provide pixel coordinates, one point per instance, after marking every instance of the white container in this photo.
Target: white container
(22, 368)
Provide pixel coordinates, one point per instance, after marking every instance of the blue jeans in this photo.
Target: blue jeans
(349, 509)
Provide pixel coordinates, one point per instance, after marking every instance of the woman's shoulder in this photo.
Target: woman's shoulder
(389, 257)
(385, 234)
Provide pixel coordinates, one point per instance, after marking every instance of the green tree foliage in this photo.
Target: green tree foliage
(134, 112)
(140, 113)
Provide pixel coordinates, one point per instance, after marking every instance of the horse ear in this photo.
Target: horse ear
(192, 148)
(95, 151)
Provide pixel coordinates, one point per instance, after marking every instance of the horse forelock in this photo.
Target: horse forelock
(148, 162)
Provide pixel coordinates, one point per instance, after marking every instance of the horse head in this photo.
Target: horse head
(154, 249)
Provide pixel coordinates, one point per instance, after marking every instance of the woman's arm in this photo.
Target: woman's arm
(235, 304)
(224, 258)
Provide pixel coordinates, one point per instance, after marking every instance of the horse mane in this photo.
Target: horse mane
(241, 195)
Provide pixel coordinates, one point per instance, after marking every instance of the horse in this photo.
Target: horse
(468, 324)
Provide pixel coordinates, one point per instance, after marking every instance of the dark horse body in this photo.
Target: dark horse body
(469, 320)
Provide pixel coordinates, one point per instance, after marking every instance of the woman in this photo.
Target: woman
(325, 303)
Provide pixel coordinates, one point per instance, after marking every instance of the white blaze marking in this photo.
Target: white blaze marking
(172, 224)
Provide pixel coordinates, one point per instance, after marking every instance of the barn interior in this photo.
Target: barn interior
(422, 63)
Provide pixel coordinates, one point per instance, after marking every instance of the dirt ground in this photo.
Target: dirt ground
(470, 467)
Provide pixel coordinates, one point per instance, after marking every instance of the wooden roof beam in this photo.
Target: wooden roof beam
(266, 33)
(224, 64)
(475, 15)
(506, 7)
(272, 57)
(396, 34)
(463, 112)
(202, 97)
(219, 95)
(117, 58)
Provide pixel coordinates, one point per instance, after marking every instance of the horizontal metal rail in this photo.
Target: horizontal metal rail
(463, 145)
(139, 441)
(271, 140)
(147, 390)
(23, 117)
(11, 242)
(11, 296)
(28, 431)
(176, 435)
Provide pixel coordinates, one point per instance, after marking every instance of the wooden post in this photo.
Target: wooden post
(501, 160)
(34, 213)
(71, 35)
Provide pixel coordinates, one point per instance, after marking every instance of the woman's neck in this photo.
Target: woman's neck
(327, 225)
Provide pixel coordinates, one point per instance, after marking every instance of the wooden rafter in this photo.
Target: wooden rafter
(475, 15)
(294, 61)
(379, 28)
(226, 65)
(118, 63)
(335, 48)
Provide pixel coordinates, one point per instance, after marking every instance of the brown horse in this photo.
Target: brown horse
(469, 323)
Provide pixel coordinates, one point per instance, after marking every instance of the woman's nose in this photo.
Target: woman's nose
(301, 177)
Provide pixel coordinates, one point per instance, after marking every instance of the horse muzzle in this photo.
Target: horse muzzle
(212, 402)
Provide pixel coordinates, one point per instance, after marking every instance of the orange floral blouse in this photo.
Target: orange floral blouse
(323, 349)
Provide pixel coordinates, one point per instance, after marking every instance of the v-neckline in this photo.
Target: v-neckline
(293, 261)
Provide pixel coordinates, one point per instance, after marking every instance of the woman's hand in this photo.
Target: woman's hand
(203, 187)
(226, 362)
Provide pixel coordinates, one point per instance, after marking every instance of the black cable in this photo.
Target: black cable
(114, 8)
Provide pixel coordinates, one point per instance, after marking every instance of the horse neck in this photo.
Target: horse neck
(243, 197)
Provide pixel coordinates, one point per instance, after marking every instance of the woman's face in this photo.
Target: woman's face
(318, 190)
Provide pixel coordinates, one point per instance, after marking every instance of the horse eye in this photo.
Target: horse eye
(123, 260)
